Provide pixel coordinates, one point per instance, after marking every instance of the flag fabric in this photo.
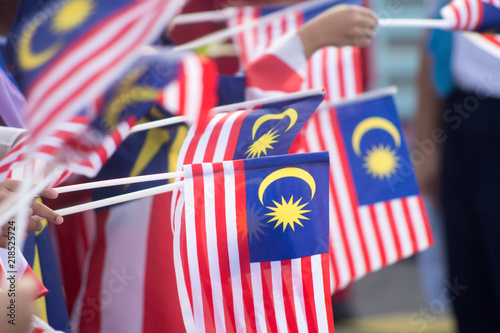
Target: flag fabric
(377, 215)
(128, 258)
(18, 268)
(257, 244)
(194, 92)
(337, 70)
(475, 15)
(40, 254)
(64, 55)
(269, 130)
(83, 148)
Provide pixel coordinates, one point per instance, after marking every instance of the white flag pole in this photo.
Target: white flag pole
(160, 123)
(416, 23)
(118, 181)
(119, 199)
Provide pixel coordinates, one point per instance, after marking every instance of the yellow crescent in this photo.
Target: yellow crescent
(29, 60)
(287, 172)
(289, 112)
(373, 123)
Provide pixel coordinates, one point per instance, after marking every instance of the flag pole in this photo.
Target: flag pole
(160, 123)
(119, 199)
(369, 95)
(208, 16)
(416, 23)
(118, 181)
(267, 100)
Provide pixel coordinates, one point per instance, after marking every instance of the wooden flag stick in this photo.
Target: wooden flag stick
(119, 199)
(119, 181)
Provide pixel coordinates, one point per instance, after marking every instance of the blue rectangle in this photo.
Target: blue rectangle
(287, 206)
(377, 152)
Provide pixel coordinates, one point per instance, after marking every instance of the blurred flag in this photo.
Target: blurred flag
(377, 215)
(40, 254)
(84, 148)
(64, 55)
(338, 70)
(475, 15)
(123, 285)
(257, 244)
(194, 92)
(18, 268)
(265, 131)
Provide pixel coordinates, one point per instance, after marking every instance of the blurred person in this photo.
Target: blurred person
(459, 115)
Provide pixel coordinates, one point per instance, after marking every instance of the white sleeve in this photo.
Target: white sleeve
(8, 136)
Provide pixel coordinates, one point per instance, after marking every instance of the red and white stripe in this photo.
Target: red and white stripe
(194, 93)
(20, 269)
(466, 14)
(363, 238)
(227, 293)
(89, 65)
(338, 70)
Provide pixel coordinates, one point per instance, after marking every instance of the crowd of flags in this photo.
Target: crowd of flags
(283, 203)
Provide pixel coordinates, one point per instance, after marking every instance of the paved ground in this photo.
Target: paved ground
(391, 300)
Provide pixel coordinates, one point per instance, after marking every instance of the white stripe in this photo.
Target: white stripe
(298, 294)
(233, 250)
(258, 298)
(369, 237)
(474, 14)
(319, 293)
(199, 155)
(278, 300)
(194, 87)
(171, 98)
(462, 13)
(192, 251)
(248, 35)
(348, 66)
(341, 189)
(316, 71)
(401, 227)
(223, 139)
(418, 223)
(262, 40)
(385, 232)
(124, 266)
(332, 73)
(212, 251)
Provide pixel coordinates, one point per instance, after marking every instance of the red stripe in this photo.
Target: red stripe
(214, 138)
(378, 235)
(243, 248)
(184, 258)
(336, 203)
(201, 247)
(340, 65)
(350, 185)
(457, 15)
(90, 315)
(210, 85)
(358, 73)
(409, 223)
(468, 15)
(288, 295)
(425, 218)
(234, 135)
(241, 38)
(223, 248)
(480, 14)
(269, 35)
(267, 291)
(326, 285)
(394, 231)
(308, 292)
